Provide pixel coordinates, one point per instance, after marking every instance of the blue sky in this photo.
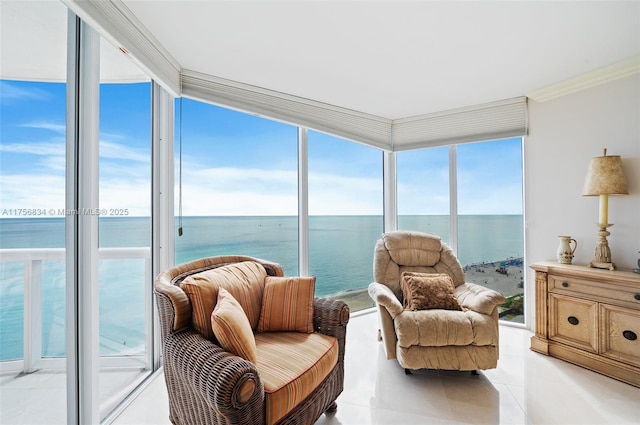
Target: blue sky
(235, 163)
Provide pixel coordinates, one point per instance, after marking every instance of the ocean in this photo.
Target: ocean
(340, 256)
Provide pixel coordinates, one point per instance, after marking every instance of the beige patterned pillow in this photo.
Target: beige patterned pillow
(426, 291)
(244, 281)
(287, 304)
(231, 327)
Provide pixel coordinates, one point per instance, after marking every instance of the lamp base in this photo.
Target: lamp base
(601, 265)
(602, 256)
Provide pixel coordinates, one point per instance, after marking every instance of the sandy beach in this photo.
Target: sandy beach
(504, 276)
(358, 299)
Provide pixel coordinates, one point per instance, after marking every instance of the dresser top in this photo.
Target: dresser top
(585, 271)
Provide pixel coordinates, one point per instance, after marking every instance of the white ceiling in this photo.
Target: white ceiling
(395, 59)
(392, 59)
(33, 41)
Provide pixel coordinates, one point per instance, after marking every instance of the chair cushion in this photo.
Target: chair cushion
(439, 328)
(413, 248)
(244, 281)
(287, 304)
(232, 328)
(291, 365)
(425, 291)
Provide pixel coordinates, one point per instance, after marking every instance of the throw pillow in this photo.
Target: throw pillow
(244, 280)
(287, 304)
(232, 328)
(425, 291)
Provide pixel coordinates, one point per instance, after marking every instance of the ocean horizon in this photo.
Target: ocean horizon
(340, 256)
(340, 247)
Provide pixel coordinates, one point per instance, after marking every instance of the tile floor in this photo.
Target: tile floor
(526, 388)
(40, 398)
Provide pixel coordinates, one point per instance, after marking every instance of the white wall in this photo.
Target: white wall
(564, 134)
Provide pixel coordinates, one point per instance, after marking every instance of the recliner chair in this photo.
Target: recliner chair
(451, 339)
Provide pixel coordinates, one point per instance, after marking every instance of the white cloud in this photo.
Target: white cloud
(205, 201)
(57, 128)
(332, 194)
(32, 191)
(254, 191)
(40, 183)
(56, 148)
(52, 148)
(207, 191)
(35, 192)
(10, 91)
(113, 150)
(121, 194)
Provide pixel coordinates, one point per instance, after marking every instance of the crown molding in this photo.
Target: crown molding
(116, 23)
(590, 79)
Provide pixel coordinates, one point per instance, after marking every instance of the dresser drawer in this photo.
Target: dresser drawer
(620, 333)
(574, 322)
(594, 289)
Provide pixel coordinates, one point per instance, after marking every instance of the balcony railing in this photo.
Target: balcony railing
(120, 355)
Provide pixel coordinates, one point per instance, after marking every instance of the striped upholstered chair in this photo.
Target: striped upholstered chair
(242, 344)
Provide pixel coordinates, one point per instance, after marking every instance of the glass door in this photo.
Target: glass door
(33, 375)
(124, 223)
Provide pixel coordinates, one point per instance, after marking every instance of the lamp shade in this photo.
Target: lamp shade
(605, 177)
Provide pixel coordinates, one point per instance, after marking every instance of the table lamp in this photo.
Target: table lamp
(604, 177)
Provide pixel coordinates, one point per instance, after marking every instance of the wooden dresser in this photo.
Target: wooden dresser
(590, 317)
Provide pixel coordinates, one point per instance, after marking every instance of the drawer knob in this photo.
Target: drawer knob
(630, 335)
(637, 297)
(573, 320)
(565, 285)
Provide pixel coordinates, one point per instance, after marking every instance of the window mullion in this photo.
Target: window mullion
(81, 224)
(303, 202)
(390, 191)
(453, 199)
(162, 213)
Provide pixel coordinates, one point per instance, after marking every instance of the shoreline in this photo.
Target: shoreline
(505, 276)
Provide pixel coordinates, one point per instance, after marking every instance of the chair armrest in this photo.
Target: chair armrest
(478, 298)
(202, 376)
(330, 317)
(384, 296)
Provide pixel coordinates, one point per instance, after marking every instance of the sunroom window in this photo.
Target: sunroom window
(487, 196)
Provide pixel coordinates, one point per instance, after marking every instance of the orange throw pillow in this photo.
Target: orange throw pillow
(232, 328)
(426, 291)
(287, 304)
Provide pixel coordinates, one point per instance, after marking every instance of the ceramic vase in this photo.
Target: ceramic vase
(565, 252)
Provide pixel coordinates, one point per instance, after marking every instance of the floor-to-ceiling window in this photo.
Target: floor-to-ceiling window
(490, 221)
(236, 193)
(487, 194)
(32, 214)
(345, 216)
(45, 150)
(125, 279)
(423, 191)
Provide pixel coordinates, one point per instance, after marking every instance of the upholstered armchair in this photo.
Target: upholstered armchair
(242, 344)
(430, 317)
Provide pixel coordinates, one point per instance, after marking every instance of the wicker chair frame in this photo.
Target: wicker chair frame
(208, 385)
